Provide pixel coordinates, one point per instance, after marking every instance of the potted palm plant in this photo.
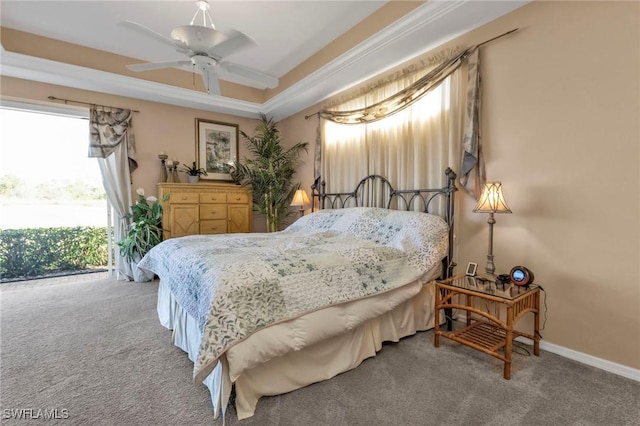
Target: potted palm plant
(194, 173)
(144, 232)
(270, 173)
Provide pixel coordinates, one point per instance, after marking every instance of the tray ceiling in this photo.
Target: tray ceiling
(287, 33)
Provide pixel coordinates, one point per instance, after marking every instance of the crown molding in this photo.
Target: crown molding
(47, 71)
(371, 57)
(435, 21)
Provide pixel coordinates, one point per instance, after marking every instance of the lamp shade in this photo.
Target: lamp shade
(492, 200)
(300, 198)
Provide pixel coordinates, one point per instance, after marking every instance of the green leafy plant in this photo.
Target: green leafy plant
(145, 230)
(194, 171)
(35, 252)
(270, 173)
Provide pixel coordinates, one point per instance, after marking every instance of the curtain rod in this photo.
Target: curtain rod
(306, 117)
(53, 98)
(497, 37)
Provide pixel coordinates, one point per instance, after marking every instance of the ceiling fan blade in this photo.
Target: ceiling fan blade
(141, 29)
(250, 74)
(235, 42)
(211, 83)
(157, 65)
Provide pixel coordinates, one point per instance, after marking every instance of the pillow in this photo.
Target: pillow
(322, 220)
(422, 236)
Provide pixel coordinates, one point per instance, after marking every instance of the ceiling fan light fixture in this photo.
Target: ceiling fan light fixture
(199, 39)
(203, 62)
(206, 49)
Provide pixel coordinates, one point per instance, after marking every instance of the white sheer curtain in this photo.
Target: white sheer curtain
(345, 155)
(113, 144)
(411, 148)
(113, 168)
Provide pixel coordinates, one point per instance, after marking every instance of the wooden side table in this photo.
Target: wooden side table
(486, 304)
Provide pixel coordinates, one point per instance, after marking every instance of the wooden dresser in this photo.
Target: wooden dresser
(205, 208)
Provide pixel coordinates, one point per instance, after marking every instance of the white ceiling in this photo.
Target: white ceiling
(286, 32)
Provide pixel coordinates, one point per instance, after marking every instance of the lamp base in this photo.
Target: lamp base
(490, 268)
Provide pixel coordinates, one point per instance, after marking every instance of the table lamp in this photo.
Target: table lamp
(491, 201)
(301, 199)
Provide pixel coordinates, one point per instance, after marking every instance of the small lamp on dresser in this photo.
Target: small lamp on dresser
(300, 199)
(491, 201)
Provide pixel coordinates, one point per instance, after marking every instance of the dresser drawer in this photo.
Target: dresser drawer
(205, 208)
(213, 211)
(212, 198)
(239, 198)
(184, 198)
(213, 226)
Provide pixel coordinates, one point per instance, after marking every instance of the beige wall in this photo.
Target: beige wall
(158, 127)
(561, 113)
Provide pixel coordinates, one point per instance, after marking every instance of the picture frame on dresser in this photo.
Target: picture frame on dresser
(216, 148)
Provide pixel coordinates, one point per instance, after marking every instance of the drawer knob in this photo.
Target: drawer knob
(184, 198)
(237, 198)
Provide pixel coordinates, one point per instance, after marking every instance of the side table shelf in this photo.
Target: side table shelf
(486, 304)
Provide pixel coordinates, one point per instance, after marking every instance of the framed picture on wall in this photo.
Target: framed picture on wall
(216, 148)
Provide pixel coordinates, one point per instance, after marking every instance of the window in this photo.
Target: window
(48, 181)
(46, 178)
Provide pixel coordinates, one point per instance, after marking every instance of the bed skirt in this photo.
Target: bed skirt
(300, 367)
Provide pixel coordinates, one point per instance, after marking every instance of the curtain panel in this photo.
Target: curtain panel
(472, 172)
(399, 99)
(113, 144)
(411, 149)
(408, 130)
(109, 128)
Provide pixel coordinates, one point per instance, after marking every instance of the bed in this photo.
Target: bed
(265, 314)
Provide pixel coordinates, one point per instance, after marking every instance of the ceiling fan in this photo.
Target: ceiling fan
(206, 49)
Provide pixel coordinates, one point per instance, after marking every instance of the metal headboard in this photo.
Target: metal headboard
(377, 191)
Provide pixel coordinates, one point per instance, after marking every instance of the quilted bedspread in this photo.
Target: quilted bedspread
(237, 284)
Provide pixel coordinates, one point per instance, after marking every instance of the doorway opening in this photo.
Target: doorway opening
(54, 214)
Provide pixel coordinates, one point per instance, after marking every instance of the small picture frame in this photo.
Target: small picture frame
(471, 269)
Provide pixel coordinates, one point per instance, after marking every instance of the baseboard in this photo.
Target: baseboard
(603, 364)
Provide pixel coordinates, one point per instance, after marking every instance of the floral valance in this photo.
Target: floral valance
(109, 128)
(401, 99)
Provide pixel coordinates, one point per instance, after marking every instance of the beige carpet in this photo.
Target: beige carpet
(94, 350)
